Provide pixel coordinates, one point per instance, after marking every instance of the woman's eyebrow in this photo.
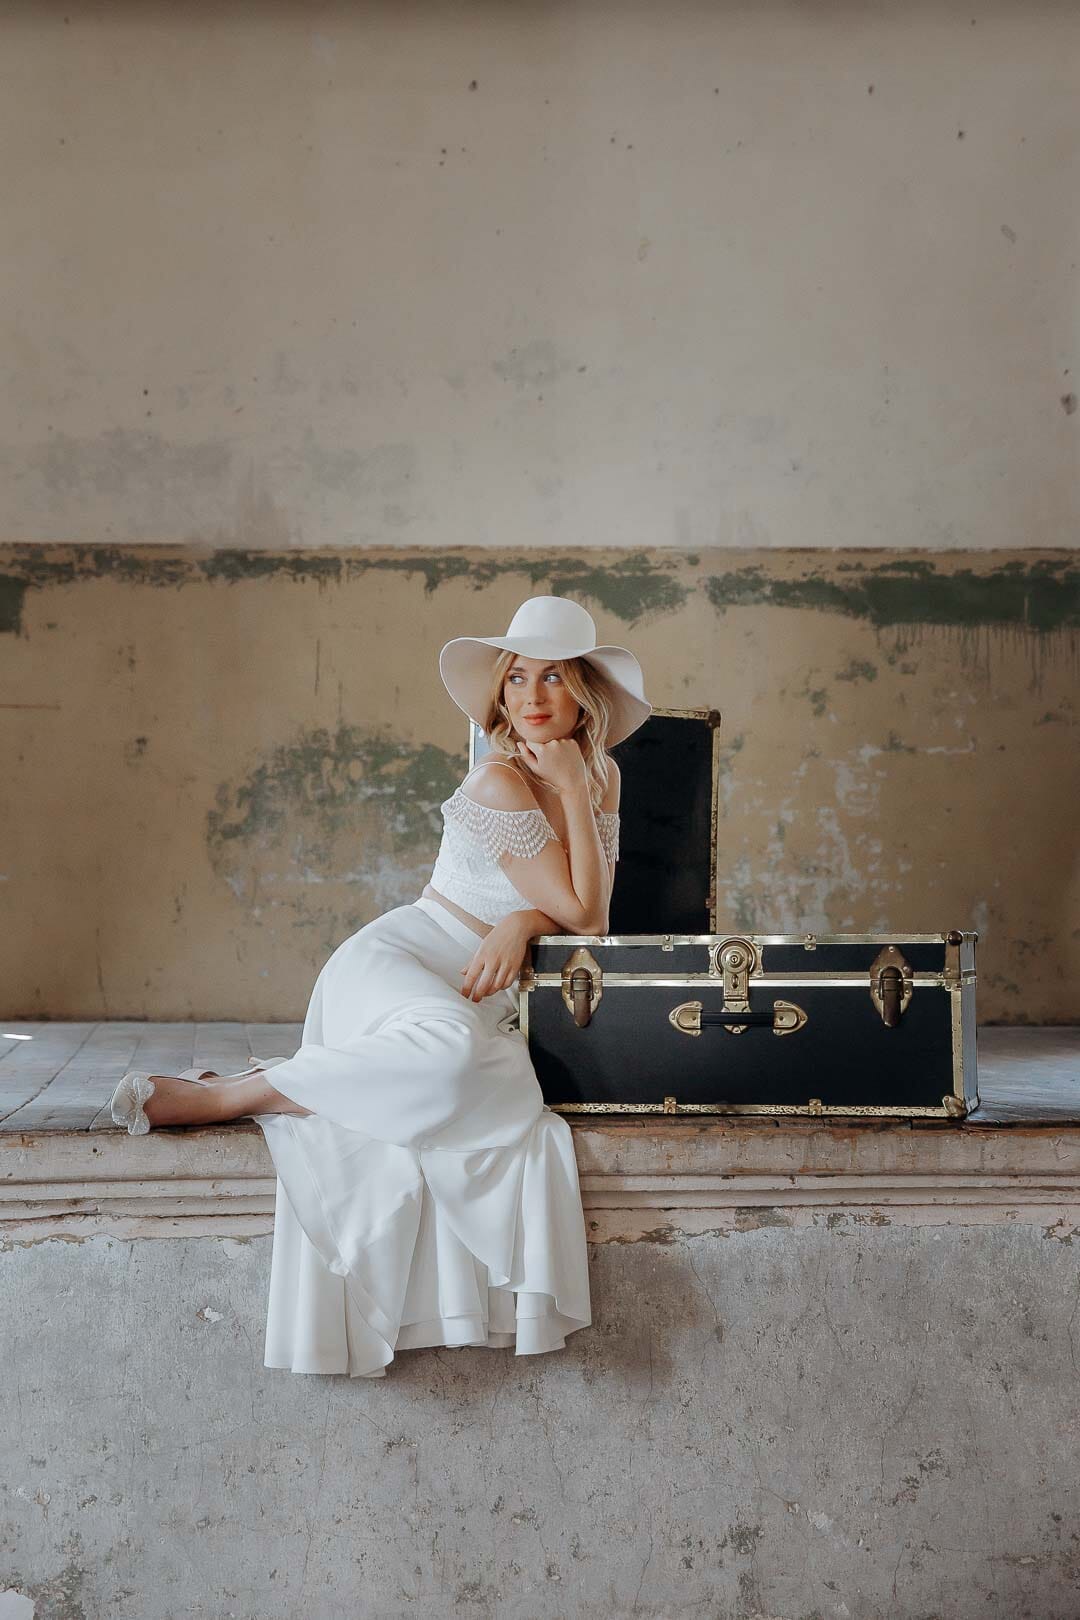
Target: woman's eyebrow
(514, 668)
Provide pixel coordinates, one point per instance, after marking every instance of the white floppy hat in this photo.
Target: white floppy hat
(548, 627)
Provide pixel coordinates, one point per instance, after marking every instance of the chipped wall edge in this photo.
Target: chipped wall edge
(649, 1184)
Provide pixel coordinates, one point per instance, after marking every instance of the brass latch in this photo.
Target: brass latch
(891, 985)
(582, 984)
(735, 960)
(784, 1019)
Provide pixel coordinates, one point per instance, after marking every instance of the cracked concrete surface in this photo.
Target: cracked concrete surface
(793, 1423)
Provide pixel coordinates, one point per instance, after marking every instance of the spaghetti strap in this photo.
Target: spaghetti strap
(510, 766)
(506, 762)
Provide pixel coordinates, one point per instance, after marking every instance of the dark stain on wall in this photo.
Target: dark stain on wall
(12, 593)
(1040, 596)
(330, 829)
(631, 589)
(857, 669)
(329, 777)
(629, 586)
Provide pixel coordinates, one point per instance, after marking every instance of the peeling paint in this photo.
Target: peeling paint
(334, 827)
(313, 831)
(332, 774)
(858, 669)
(57, 1598)
(631, 586)
(12, 595)
(1041, 596)
(655, 1234)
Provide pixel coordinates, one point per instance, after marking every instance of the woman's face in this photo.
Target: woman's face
(537, 700)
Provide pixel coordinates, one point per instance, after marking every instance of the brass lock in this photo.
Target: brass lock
(736, 960)
(891, 985)
(582, 984)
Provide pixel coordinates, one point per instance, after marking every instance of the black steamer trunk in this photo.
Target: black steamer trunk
(673, 1013)
(870, 1024)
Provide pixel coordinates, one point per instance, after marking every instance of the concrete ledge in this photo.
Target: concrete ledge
(639, 1179)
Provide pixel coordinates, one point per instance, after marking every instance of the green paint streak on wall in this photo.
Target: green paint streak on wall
(12, 592)
(333, 776)
(338, 568)
(629, 588)
(1041, 596)
(859, 669)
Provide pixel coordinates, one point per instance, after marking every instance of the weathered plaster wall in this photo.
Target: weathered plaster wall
(541, 275)
(851, 1419)
(319, 319)
(220, 764)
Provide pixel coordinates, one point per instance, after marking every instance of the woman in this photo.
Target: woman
(425, 1195)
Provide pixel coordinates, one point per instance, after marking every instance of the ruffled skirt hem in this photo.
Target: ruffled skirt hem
(397, 1249)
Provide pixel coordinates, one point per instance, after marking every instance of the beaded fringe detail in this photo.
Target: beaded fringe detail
(519, 832)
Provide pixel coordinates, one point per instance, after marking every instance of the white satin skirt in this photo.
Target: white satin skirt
(429, 1198)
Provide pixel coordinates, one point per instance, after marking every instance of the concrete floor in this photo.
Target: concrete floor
(831, 1373)
(854, 1420)
(61, 1077)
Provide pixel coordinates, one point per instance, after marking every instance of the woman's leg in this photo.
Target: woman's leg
(178, 1102)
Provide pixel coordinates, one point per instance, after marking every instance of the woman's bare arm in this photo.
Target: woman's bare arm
(500, 955)
(574, 894)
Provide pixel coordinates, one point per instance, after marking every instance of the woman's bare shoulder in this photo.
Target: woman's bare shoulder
(613, 790)
(499, 787)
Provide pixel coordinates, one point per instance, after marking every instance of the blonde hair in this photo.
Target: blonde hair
(590, 689)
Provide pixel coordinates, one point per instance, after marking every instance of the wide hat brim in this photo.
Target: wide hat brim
(467, 662)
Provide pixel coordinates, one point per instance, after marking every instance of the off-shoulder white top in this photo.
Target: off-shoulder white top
(475, 838)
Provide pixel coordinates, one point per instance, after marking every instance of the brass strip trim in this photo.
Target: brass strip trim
(957, 1026)
(711, 715)
(714, 829)
(859, 1109)
(754, 939)
(844, 981)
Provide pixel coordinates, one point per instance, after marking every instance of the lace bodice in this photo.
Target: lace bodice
(475, 837)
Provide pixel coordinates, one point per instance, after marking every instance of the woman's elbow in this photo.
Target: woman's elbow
(596, 925)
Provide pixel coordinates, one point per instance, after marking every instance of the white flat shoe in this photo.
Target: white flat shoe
(136, 1089)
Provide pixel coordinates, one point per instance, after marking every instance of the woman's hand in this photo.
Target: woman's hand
(498, 958)
(560, 762)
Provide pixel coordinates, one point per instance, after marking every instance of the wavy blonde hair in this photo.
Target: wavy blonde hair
(591, 690)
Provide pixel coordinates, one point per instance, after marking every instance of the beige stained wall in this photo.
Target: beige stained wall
(219, 765)
(331, 332)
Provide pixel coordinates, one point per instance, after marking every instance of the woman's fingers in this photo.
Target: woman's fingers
(482, 988)
(469, 974)
(484, 978)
